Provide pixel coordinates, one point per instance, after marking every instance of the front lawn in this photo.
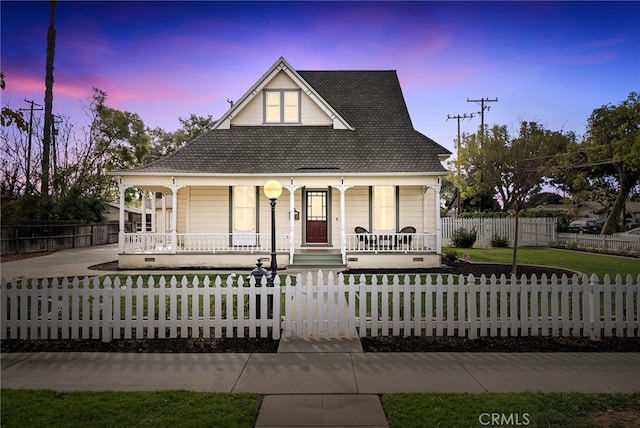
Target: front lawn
(585, 262)
(515, 409)
(40, 408)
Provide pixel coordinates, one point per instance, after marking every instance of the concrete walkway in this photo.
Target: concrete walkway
(324, 388)
(309, 382)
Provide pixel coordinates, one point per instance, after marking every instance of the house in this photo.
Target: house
(343, 147)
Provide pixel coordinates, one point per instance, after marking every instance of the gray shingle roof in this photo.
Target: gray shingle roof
(384, 140)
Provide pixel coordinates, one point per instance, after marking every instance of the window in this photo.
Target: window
(244, 208)
(282, 106)
(384, 208)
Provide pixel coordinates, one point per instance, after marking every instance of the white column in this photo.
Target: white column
(343, 233)
(121, 236)
(154, 228)
(174, 215)
(438, 220)
(292, 199)
(164, 213)
(144, 211)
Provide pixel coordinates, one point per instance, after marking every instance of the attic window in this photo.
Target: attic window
(281, 106)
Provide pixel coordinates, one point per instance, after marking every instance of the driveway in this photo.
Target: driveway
(73, 262)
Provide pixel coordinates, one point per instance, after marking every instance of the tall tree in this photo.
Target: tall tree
(513, 168)
(611, 150)
(48, 102)
(164, 143)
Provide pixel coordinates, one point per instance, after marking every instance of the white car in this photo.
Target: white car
(633, 232)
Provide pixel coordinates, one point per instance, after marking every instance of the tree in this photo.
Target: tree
(164, 143)
(48, 102)
(611, 151)
(513, 168)
(10, 116)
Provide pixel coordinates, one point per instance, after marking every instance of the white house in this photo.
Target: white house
(361, 185)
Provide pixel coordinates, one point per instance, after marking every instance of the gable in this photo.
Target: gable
(281, 76)
(252, 114)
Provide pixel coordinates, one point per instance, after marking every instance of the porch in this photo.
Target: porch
(226, 250)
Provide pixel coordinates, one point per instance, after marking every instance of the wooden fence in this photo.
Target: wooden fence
(618, 244)
(53, 237)
(534, 232)
(436, 305)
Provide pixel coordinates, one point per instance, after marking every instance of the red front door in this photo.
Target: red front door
(316, 221)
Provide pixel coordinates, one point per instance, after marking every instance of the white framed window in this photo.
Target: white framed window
(282, 106)
(384, 208)
(244, 215)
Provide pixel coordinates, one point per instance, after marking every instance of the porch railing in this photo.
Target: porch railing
(390, 242)
(203, 242)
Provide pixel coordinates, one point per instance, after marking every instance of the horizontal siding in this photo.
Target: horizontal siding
(209, 210)
(357, 208)
(410, 207)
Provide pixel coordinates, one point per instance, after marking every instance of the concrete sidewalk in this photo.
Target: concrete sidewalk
(329, 388)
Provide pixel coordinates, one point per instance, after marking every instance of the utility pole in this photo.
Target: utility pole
(30, 109)
(458, 192)
(483, 107)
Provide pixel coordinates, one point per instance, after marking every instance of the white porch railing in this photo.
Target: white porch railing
(390, 242)
(159, 243)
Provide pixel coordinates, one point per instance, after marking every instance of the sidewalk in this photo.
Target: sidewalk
(336, 388)
(310, 382)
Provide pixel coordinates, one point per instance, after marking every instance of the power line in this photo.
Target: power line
(459, 117)
(483, 107)
(30, 109)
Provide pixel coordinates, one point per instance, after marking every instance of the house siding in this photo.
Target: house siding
(357, 208)
(209, 210)
(410, 208)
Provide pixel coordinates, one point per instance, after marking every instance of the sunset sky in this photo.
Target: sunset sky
(551, 62)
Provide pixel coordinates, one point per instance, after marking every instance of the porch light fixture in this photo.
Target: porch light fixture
(273, 190)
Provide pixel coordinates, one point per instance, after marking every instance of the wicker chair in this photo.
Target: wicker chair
(364, 237)
(406, 239)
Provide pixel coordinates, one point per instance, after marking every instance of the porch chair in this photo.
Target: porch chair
(364, 237)
(406, 239)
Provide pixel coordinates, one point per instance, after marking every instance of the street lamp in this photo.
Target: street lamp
(273, 190)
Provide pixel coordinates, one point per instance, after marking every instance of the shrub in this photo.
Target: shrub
(498, 241)
(451, 256)
(464, 238)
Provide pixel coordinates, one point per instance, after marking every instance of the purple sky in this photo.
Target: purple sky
(552, 62)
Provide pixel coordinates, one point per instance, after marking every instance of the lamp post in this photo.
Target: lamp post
(273, 190)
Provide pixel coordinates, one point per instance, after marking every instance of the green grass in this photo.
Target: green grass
(40, 408)
(584, 262)
(539, 409)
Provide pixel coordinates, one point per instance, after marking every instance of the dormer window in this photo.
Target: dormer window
(281, 106)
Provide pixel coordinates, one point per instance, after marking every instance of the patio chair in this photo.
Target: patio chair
(407, 238)
(364, 237)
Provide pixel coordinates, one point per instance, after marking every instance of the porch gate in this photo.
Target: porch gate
(320, 308)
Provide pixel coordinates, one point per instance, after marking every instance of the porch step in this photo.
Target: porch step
(317, 259)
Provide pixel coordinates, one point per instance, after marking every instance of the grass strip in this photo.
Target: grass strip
(42, 408)
(580, 261)
(569, 410)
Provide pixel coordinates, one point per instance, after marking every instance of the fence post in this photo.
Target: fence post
(591, 284)
(107, 305)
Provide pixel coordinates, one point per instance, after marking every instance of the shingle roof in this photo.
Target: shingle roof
(384, 140)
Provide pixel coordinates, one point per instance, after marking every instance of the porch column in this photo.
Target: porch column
(437, 188)
(164, 213)
(174, 215)
(121, 236)
(343, 234)
(144, 211)
(153, 212)
(292, 199)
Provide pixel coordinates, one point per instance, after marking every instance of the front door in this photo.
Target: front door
(316, 217)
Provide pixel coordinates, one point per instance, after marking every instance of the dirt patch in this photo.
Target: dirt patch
(617, 418)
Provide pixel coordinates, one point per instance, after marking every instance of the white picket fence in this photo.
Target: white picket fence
(435, 305)
(618, 244)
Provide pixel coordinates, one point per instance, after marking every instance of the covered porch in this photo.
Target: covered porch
(217, 222)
